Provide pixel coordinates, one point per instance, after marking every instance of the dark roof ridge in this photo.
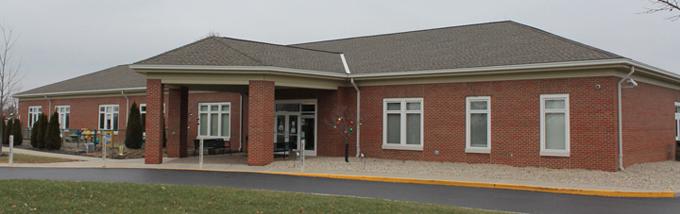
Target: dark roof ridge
(240, 52)
(538, 30)
(286, 46)
(174, 49)
(402, 32)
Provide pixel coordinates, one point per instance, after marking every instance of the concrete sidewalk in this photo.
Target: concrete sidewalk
(388, 172)
(50, 154)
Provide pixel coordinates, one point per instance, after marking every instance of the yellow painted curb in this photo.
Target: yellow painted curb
(571, 191)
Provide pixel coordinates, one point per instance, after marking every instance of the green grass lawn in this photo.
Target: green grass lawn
(32, 196)
(21, 158)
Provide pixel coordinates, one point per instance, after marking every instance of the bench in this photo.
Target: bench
(213, 146)
(283, 147)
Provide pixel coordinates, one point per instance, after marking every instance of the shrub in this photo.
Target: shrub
(134, 131)
(16, 131)
(42, 129)
(52, 133)
(35, 133)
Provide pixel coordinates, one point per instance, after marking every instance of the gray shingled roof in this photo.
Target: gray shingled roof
(477, 45)
(221, 51)
(111, 78)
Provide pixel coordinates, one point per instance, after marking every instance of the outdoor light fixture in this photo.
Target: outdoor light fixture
(631, 83)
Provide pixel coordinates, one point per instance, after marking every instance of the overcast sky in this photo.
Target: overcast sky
(63, 39)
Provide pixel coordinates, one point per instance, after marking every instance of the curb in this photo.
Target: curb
(470, 184)
(503, 186)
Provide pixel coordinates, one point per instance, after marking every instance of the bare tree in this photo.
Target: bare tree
(9, 70)
(671, 6)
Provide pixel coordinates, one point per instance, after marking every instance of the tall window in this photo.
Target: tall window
(214, 120)
(478, 124)
(677, 121)
(33, 115)
(555, 125)
(108, 117)
(142, 114)
(403, 124)
(64, 113)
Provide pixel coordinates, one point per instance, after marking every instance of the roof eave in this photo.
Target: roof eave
(80, 92)
(208, 69)
(535, 66)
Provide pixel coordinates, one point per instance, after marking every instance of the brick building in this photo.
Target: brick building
(501, 93)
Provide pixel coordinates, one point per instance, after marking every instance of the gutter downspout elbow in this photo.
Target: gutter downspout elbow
(620, 115)
(358, 101)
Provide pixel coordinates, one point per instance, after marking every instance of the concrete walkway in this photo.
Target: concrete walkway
(451, 174)
(51, 155)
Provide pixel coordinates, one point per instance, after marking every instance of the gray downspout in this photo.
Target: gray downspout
(620, 115)
(358, 119)
(127, 107)
(240, 126)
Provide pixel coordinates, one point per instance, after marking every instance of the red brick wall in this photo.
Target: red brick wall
(330, 105)
(515, 121)
(648, 123)
(260, 122)
(234, 98)
(85, 112)
(153, 152)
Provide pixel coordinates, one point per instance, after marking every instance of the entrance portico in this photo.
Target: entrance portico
(277, 113)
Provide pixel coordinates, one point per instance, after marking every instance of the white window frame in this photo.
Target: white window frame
(219, 112)
(34, 113)
(63, 111)
(677, 122)
(468, 132)
(107, 115)
(403, 114)
(555, 152)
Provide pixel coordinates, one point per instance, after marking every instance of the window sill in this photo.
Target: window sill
(554, 154)
(213, 137)
(402, 147)
(478, 150)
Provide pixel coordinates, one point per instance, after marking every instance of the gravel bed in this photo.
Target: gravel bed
(658, 176)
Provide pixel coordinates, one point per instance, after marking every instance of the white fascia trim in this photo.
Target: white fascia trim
(360, 76)
(552, 65)
(64, 93)
(208, 69)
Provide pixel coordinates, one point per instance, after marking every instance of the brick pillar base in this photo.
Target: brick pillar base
(260, 122)
(177, 122)
(153, 147)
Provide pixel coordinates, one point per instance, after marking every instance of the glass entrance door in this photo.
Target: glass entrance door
(296, 120)
(287, 128)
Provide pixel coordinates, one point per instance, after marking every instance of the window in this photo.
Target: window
(478, 124)
(403, 124)
(64, 113)
(214, 120)
(142, 114)
(108, 117)
(677, 121)
(33, 115)
(555, 125)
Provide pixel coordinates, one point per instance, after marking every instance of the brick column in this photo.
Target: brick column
(260, 122)
(153, 147)
(177, 122)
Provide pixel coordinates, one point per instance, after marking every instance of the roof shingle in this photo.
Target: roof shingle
(467, 46)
